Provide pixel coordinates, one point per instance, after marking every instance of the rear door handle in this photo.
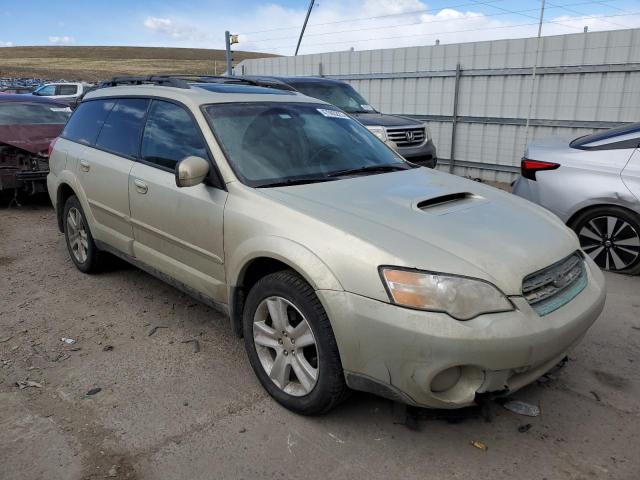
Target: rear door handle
(141, 187)
(84, 166)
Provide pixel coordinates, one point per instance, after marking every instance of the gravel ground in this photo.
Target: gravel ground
(167, 412)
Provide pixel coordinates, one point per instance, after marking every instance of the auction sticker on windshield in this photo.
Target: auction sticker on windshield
(332, 113)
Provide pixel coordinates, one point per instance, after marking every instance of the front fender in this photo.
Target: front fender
(297, 256)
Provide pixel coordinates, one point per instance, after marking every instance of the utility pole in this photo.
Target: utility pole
(304, 26)
(229, 40)
(533, 97)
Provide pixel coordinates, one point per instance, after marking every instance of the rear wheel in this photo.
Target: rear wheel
(82, 249)
(291, 346)
(611, 237)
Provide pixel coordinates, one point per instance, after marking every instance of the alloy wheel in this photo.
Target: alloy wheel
(286, 346)
(77, 235)
(613, 243)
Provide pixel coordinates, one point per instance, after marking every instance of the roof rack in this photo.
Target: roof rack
(255, 81)
(162, 80)
(184, 81)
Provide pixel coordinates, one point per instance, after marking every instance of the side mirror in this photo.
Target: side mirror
(191, 171)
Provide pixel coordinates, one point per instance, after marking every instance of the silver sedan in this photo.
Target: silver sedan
(593, 184)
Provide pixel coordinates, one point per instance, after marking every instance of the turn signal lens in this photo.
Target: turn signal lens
(528, 168)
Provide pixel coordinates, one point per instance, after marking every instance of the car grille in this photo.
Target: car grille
(549, 289)
(406, 137)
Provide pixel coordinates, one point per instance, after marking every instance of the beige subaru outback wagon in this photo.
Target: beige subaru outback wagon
(342, 265)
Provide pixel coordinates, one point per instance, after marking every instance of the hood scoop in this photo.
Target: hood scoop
(450, 202)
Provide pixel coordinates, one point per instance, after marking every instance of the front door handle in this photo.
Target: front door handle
(84, 166)
(141, 187)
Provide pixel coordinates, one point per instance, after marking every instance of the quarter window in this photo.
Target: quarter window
(170, 135)
(120, 133)
(67, 89)
(86, 122)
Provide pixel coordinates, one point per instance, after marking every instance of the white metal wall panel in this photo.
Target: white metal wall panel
(600, 96)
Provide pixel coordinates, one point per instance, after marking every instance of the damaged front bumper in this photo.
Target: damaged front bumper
(429, 359)
(22, 171)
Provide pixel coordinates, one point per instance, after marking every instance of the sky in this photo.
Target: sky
(274, 26)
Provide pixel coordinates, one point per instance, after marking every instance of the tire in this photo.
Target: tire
(611, 237)
(287, 295)
(82, 249)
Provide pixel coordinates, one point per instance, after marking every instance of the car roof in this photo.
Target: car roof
(195, 97)
(63, 83)
(13, 97)
(294, 80)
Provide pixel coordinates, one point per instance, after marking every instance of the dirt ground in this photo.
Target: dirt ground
(167, 412)
(101, 63)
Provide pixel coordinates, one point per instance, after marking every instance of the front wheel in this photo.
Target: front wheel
(611, 237)
(291, 346)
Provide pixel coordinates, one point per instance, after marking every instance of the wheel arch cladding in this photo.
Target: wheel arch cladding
(64, 192)
(257, 257)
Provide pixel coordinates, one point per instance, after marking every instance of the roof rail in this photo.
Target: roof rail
(183, 81)
(255, 81)
(162, 80)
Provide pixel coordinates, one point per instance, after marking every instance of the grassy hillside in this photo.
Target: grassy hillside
(98, 63)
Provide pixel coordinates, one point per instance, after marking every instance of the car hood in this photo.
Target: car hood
(31, 138)
(430, 220)
(381, 119)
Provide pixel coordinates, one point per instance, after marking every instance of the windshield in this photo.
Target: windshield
(273, 143)
(341, 95)
(13, 113)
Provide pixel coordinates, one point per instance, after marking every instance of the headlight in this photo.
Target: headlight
(461, 297)
(427, 132)
(379, 132)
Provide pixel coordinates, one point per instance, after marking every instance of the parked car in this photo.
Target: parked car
(27, 127)
(340, 263)
(67, 92)
(412, 137)
(18, 90)
(593, 184)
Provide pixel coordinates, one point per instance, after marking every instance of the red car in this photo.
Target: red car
(27, 127)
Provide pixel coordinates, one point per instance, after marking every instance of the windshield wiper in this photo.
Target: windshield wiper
(294, 181)
(369, 168)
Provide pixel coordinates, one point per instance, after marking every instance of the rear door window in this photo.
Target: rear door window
(121, 131)
(170, 135)
(67, 90)
(86, 122)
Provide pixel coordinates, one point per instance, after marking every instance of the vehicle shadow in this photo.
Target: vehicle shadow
(12, 200)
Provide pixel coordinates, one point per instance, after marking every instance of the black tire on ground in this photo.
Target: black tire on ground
(330, 388)
(93, 256)
(596, 222)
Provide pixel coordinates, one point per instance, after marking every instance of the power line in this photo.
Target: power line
(586, 16)
(443, 20)
(400, 14)
(447, 32)
(412, 12)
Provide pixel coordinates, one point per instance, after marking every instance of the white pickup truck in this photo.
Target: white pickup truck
(66, 92)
